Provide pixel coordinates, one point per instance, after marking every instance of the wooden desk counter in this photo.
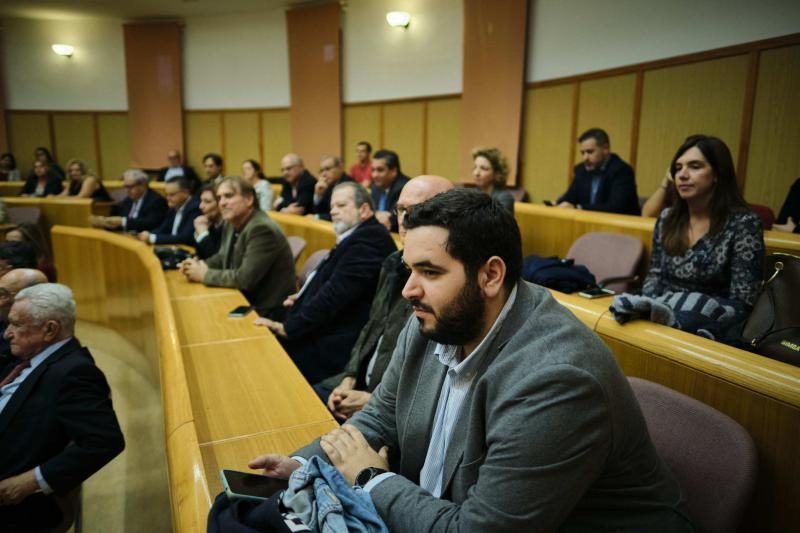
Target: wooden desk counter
(62, 211)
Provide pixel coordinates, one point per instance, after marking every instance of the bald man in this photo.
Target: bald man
(10, 284)
(349, 392)
(297, 195)
(176, 169)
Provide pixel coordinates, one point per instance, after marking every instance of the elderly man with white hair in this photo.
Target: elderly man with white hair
(57, 424)
(142, 210)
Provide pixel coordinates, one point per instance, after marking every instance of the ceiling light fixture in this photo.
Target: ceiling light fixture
(63, 50)
(398, 19)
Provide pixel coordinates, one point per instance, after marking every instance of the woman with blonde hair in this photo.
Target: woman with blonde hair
(490, 171)
(82, 184)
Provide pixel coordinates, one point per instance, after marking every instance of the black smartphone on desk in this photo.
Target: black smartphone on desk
(596, 292)
(240, 311)
(246, 486)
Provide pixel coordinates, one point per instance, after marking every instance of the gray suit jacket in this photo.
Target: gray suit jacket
(260, 265)
(550, 436)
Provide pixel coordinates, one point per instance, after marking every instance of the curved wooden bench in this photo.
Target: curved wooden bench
(63, 211)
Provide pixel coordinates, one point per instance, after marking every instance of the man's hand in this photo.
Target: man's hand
(96, 221)
(143, 236)
(320, 187)
(336, 395)
(385, 218)
(566, 205)
(275, 465)
(194, 269)
(788, 227)
(201, 224)
(351, 402)
(15, 489)
(275, 327)
(350, 452)
(294, 209)
(290, 300)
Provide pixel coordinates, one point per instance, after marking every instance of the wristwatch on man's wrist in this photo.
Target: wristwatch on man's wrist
(367, 475)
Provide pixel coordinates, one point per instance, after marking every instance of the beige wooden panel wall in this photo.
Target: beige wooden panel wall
(704, 97)
(276, 140)
(774, 156)
(404, 133)
(242, 138)
(76, 137)
(26, 132)
(203, 134)
(608, 103)
(547, 141)
(361, 123)
(443, 125)
(115, 146)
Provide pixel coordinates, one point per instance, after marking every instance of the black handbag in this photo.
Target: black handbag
(773, 329)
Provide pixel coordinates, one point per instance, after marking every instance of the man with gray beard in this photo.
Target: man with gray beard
(326, 316)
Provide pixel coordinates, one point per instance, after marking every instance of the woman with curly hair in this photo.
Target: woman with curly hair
(490, 171)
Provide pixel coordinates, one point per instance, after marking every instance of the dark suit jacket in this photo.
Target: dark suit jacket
(151, 213)
(323, 208)
(188, 173)
(391, 196)
(53, 185)
(258, 261)
(616, 193)
(185, 235)
(549, 436)
(60, 419)
(323, 324)
(210, 245)
(305, 193)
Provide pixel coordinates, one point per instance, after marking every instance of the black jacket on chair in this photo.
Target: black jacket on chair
(615, 194)
(151, 213)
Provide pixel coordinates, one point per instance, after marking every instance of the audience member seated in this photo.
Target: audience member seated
(387, 182)
(142, 210)
(254, 255)
(16, 254)
(42, 182)
(208, 226)
(490, 171)
(708, 249)
(177, 169)
(331, 174)
(297, 195)
(500, 411)
(212, 164)
(43, 154)
(326, 316)
(251, 170)
(82, 185)
(11, 283)
(35, 236)
(58, 424)
(603, 181)
(663, 197)
(349, 391)
(362, 170)
(789, 217)
(178, 226)
(8, 168)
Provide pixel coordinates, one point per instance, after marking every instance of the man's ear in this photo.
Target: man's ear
(52, 329)
(491, 276)
(364, 212)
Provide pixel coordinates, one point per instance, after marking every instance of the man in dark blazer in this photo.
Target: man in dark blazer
(387, 182)
(603, 181)
(297, 194)
(500, 411)
(142, 210)
(254, 255)
(177, 169)
(57, 424)
(178, 226)
(331, 174)
(349, 391)
(326, 316)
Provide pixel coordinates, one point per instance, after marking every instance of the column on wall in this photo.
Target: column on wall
(494, 70)
(315, 114)
(153, 65)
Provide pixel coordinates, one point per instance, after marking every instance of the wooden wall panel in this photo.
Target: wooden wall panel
(242, 139)
(608, 103)
(547, 144)
(442, 151)
(704, 97)
(774, 157)
(27, 131)
(361, 123)
(5, 146)
(115, 146)
(203, 135)
(404, 127)
(276, 141)
(76, 139)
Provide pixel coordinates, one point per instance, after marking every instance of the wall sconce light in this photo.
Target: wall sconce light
(398, 19)
(63, 50)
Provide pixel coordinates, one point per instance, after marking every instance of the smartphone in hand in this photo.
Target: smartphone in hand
(247, 486)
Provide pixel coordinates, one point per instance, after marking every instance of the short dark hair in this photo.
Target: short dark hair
(18, 254)
(182, 182)
(391, 158)
(210, 185)
(10, 156)
(479, 228)
(365, 143)
(216, 158)
(597, 134)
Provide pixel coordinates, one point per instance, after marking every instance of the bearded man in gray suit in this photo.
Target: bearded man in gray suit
(500, 411)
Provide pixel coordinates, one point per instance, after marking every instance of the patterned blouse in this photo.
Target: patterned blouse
(725, 265)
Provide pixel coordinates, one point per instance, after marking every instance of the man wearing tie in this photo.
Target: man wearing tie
(142, 210)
